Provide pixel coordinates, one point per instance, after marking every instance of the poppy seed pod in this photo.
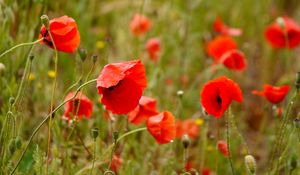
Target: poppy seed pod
(94, 58)
(95, 133)
(250, 163)
(83, 54)
(185, 141)
(45, 21)
(115, 136)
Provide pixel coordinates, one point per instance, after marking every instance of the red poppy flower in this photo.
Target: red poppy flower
(64, 32)
(217, 94)
(116, 163)
(234, 60)
(281, 34)
(153, 48)
(220, 45)
(188, 166)
(206, 171)
(121, 85)
(223, 29)
(223, 148)
(162, 127)
(188, 127)
(80, 105)
(145, 109)
(139, 24)
(274, 94)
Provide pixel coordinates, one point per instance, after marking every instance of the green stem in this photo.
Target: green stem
(46, 119)
(19, 45)
(94, 157)
(228, 140)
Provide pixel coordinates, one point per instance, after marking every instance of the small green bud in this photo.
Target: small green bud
(45, 21)
(185, 141)
(94, 58)
(95, 133)
(115, 136)
(12, 146)
(293, 162)
(18, 142)
(11, 100)
(297, 82)
(2, 69)
(82, 54)
(31, 57)
(250, 163)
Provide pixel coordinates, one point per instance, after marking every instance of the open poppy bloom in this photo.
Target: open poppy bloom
(220, 45)
(274, 94)
(206, 171)
(223, 148)
(139, 24)
(162, 127)
(121, 85)
(217, 94)
(145, 109)
(116, 163)
(64, 32)
(153, 48)
(79, 106)
(285, 32)
(223, 29)
(234, 60)
(188, 127)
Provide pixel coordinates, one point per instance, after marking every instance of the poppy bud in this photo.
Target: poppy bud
(280, 22)
(11, 100)
(180, 93)
(293, 162)
(109, 173)
(18, 142)
(115, 136)
(82, 54)
(95, 133)
(45, 21)
(297, 83)
(2, 69)
(94, 57)
(250, 163)
(185, 141)
(31, 57)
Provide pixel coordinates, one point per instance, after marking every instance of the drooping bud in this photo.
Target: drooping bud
(95, 133)
(250, 163)
(83, 54)
(185, 141)
(45, 21)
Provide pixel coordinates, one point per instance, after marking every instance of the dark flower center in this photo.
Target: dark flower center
(219, 99)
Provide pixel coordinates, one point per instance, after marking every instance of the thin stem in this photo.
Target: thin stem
(45, 120)
(94, 157)
(19, 45)
(228, 140)
(52, 101)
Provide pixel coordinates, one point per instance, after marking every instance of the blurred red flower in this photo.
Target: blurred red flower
(217, 94)
(223, 148)
(116, 163)
(274, 94)
(206, 171)
(64, 32)
(285, 32)
(234, 60)
(145, 109)
(223, 29)
(153, 48)
(139, 24)
(188, 127)
(220, 45)
(162, 127)
(121, 85)
(80, 105)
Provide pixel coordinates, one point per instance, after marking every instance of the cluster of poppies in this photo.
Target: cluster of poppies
(121, 85)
